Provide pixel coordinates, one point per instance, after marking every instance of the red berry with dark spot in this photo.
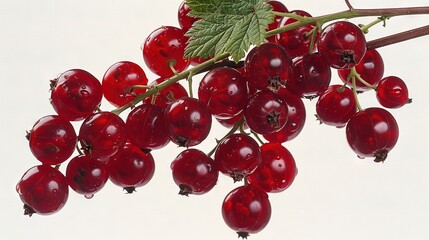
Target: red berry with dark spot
(75, 94)
(276, 171)
(372, 132)
(102, 134)
(246, 210)
(237, 156)
(342, 44)
(52, 140)
(194, 172)
(43, 190)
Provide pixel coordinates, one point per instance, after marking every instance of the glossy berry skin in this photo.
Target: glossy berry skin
(194, 172)
(188, 121)
(102, 134)
(224, 91)
(276, 171)
(146, 127)
(342, 44)
(296, 42)
(278, 7)
(267, 66)
(372, 132)
(43, 190)
(165, 46)
(75, 94)
(370, 69)
(246, 210)
(131, 168)
(237, 156)
(86, 175)
(168, 94)
(266, 112)
(392, 92)
(52, 140)
(118, 81)
(310, 76)
(185, 21)
(295, 121)
(336, 106)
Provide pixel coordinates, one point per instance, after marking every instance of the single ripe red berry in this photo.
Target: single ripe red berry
(297, 41)
(266, 112)
(188, 121)
(224, 91)
(86, 175)
(336, 106)
(146, 127)
(310, 76)
(52, 140)
(277, 7)
(194, 172)
(370, 69)
(392, 92)
(75, 94)
(342, 44)
(118, 81)
(166, 95)
(164, 49)
(267, 66)
(372, 132)
(276, 171)
(185, 21)
(246, 210)
(237, 156)
(295, 120)
(131, 168)
(102, 134)
(43, 190)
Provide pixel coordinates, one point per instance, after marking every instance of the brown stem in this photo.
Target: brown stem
(399, 37)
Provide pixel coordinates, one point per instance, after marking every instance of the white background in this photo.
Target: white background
(335, 195)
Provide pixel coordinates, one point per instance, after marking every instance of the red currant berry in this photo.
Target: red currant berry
(392, 92)
(267, 66)
(102, 134)
(310, 76)
(146, 127)
(185, 21)
(130, 168)
(75, 94)
(194, 172)
(297, 41)
(372, 132)
(229, 123)
(43, 190)
(342, 44)
(86, 175)
(276, 171)
(295, 120)
(246, 210)
(266, 112)
(277, 7)
(188, 121)
(118, 81)
(370, 69)
(164, 49)
(336, 106)
(52, 140)
(224, 91)
(168, 94)
(237, 156)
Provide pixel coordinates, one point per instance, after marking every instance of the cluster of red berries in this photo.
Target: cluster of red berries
(263, 97)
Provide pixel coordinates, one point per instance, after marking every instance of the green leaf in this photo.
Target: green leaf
(227, 26)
